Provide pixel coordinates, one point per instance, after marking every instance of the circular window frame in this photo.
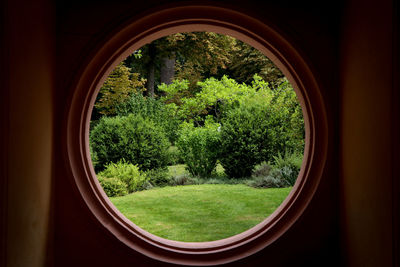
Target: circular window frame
(130, 37)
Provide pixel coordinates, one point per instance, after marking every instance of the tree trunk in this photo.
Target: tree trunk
(151, 70)
(150, 81)
(167, 70)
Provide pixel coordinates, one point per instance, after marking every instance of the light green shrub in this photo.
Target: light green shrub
(113, 187)
(153, 109)
(127, 173)
(199, 148)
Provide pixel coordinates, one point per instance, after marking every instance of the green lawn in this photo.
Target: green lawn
(179, 169)
(176, 170)
(197, 213)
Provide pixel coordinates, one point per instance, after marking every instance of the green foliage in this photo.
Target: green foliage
(127, 173)
(262, 169)
(269, 181)
(106, 142)
(199, 147)
(174, 156)
(137, 140)
(287, 121)
(244, 140)
(117, 88)
(197, 54)
(219, 97)
(246, 61)
(153, 109)
(282, 173)
(175, 91)
(113, 187)
(201, 55)
(158, 177)
(287, 167)
(210, 99)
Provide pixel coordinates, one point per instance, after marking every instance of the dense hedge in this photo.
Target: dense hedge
(244, 140)
(199, 148)
(133, 138)
(113, 187)
(154, 109)
(127, 173)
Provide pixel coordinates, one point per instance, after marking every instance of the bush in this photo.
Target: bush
(174, 156)
(244, 140)
(113, 187)
(158, 177)
(182, 179)
(261, 170)
(154, 109)
(199, 147)
(133, 138)
(286, 121)
(128, 174)
(105, 139)
(287, 167)
(266, 182)
(283, 172)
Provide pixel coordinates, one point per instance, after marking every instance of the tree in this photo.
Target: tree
(117, 88)
(190, 56)
(246, 61)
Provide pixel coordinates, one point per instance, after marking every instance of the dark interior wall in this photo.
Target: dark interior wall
(27, 101)
(348, 222)
(366, 135)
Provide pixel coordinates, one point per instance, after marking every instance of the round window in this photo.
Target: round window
(148, 115)
(196, 137)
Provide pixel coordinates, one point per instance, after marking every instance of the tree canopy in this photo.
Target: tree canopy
(117, 88)
(195, 56)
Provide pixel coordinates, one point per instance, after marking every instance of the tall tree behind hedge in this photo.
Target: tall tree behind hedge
(246, 61)
(117, 88)
(192, 56)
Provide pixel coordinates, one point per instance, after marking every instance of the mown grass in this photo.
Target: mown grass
(179, 169)
(198, 213)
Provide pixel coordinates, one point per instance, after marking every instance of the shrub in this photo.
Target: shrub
(158, 177)
(285, 175)
(128, 174)
(288, 166)
(262, 169)
(286, 121)
(154, 109)
(182, 179)
(105, 139)
(266, 182)
(282, 173)
(244, 140)
(174, 156)
(133, 138)
(113, 187)
(199, 147)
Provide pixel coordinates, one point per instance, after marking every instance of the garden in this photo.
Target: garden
(196, 137)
